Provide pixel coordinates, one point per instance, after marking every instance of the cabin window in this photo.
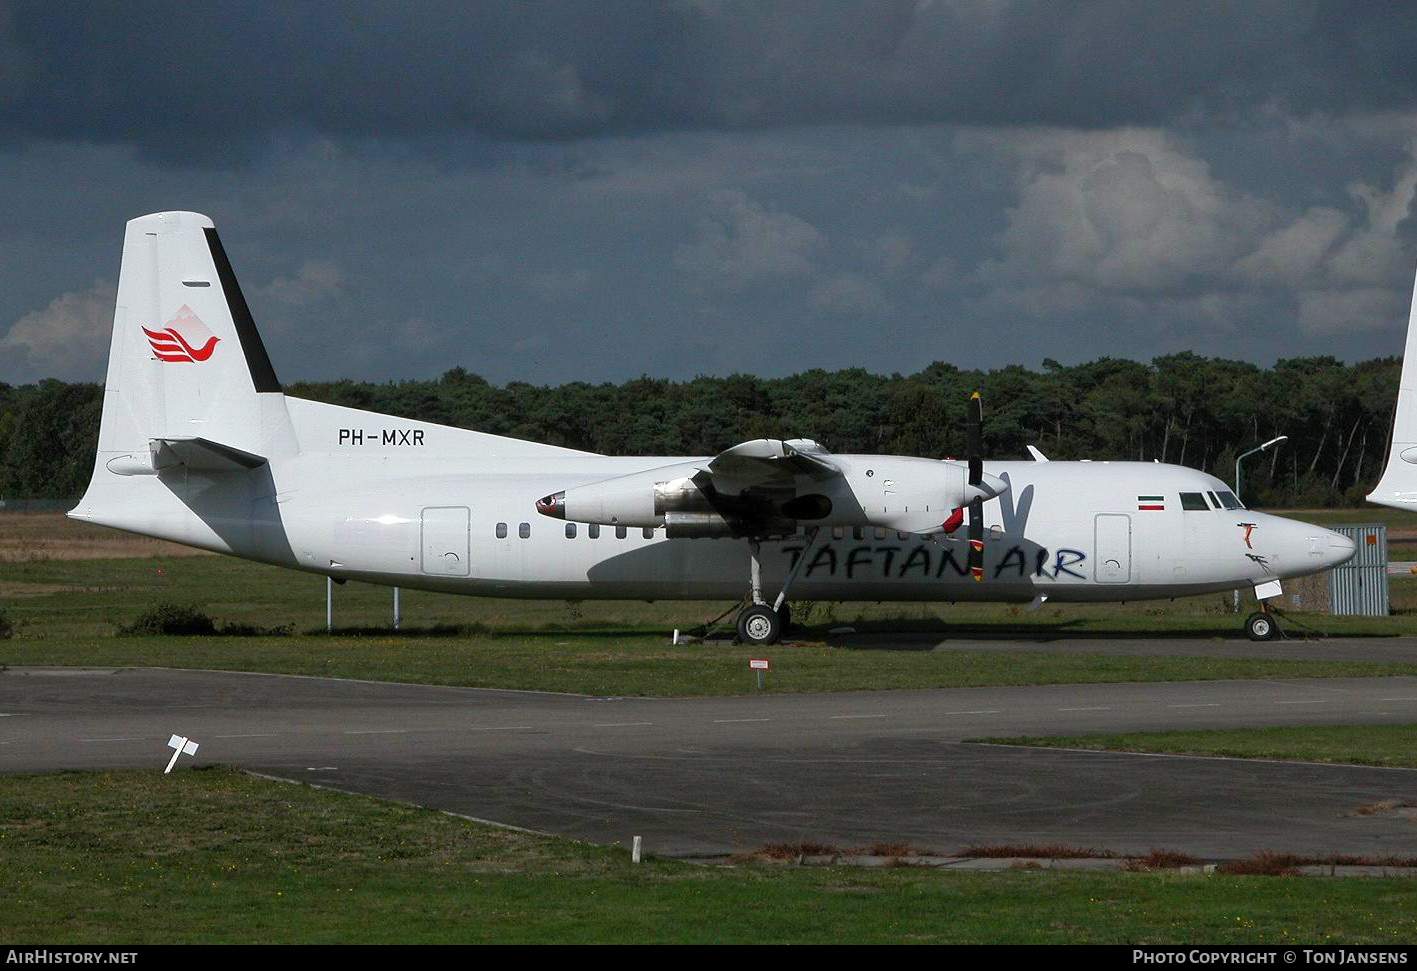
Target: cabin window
(858, 532)
(524, 530)
(1193, 501)
(621, 532)
(570, 530)
(880, 532)
(901, 534)
(501, 530)
(838, 532)
(1229, 500)
(647, 532)
(593, 530)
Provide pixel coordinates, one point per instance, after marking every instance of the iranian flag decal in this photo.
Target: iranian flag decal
(1154, 503)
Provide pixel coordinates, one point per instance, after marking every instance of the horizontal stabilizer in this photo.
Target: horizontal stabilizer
(203, 455)
(193, 454)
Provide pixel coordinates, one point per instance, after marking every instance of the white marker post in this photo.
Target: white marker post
(179, 746)
(635, 850)
(398, 614)
(329, 605)
(760, 664)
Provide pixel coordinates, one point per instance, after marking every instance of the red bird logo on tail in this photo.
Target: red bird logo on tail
(183, 340)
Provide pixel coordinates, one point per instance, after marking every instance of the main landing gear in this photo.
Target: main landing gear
(761, 622)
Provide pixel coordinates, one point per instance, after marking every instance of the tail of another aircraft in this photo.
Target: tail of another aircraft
(1398, 486)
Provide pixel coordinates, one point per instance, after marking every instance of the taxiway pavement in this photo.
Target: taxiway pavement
(705, 776)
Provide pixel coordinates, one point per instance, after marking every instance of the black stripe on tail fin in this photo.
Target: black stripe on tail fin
(263, 376)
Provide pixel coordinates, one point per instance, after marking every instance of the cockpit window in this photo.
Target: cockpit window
(1193, 501)
(1230, 501)
(1214, 502)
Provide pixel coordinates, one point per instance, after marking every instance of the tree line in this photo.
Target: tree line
(1181, 408)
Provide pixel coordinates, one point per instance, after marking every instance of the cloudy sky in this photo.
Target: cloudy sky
(593, 191)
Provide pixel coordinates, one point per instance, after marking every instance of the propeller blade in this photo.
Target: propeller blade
(974, 446)
(974, 438)
(976, 540)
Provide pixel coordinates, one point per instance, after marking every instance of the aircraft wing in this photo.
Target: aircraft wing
(770, 463)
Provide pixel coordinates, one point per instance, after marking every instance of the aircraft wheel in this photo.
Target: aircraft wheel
(759, 624)
(1261, 627)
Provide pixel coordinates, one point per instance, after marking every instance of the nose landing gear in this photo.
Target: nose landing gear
(1260, 626)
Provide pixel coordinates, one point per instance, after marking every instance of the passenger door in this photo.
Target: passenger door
(446, 541)
(1112, 536)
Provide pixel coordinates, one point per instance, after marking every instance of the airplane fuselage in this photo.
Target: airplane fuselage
(401, 513)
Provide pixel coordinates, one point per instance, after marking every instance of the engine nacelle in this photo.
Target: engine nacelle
(613, 503)
(628, 500)
(681, 495)
(698, 525)
(911, 494)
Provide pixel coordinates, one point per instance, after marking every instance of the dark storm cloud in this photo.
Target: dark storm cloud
(587, 191)
(201, 81)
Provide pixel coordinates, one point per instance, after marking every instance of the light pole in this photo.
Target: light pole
(1245, 455)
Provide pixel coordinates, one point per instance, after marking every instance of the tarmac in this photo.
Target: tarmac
(711, 776)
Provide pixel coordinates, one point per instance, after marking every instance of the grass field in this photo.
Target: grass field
(1391, 745)
(68, 588)
(215, 855)
(638, 664)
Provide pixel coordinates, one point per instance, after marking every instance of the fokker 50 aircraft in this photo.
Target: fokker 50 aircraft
(200, 446)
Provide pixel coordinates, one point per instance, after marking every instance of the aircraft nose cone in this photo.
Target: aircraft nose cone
(1340, 550)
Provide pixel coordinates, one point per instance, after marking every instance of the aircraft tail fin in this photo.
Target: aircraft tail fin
(1398, 486)
(186, 363)
(190, 389)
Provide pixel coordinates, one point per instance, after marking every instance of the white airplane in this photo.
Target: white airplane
(199, 446)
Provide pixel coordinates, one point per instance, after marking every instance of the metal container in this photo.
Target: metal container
(1359, 587)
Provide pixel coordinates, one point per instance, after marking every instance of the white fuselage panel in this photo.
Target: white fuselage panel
(1073, 531)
